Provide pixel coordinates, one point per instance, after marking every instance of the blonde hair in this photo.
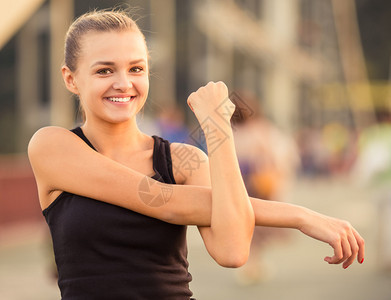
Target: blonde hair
(97, 20)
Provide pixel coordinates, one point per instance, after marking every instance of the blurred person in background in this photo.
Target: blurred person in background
(327, 151)
(268, 160)
(116, 212)
(314, 156)
(171, 125)
(341, 145)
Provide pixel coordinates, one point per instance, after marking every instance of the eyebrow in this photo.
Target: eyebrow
(111, 63)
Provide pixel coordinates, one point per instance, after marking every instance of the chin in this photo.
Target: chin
(121, 117)
(121, 120)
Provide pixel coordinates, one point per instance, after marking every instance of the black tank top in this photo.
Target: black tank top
(103, 251)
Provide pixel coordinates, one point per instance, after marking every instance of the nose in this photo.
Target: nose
(122, 82)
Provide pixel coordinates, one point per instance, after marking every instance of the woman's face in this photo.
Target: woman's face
(112, 75)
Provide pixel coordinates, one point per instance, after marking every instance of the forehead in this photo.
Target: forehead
(113, 46)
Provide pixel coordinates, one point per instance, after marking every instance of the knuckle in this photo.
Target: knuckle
(222, 85)
(354, 252)
(355, 248)
(336, 240)
(346, 225)
(348, 254)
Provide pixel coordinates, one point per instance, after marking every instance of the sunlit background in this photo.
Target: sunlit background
(320, 72)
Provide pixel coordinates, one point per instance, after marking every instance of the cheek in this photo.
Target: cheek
(143, 85)
(91, 92)
(147, 87)
(98, 88)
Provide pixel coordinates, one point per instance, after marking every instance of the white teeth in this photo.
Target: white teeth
(114, 99)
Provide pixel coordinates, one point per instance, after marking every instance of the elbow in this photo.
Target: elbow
(232, 260)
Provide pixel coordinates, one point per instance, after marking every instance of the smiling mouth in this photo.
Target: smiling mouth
(120, 99)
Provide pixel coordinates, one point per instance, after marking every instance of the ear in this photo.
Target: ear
(69, 80)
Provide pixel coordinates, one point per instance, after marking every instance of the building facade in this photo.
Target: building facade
(283, 52)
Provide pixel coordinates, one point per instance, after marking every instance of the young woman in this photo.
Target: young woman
(115, 199)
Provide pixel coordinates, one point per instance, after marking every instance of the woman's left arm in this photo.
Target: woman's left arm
(232, 216)
(199, 175)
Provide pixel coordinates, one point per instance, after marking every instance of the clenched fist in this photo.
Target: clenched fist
(212, 101)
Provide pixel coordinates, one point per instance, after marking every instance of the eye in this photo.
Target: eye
(104, 71)
(136, 69)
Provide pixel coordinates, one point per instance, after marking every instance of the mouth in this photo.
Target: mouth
(120, 99)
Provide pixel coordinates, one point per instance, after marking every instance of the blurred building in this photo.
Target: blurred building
(285, 52)
(302, 58)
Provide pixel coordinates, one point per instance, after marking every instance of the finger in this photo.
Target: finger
(354, 250)
(361, 246)
(346, 248)
(338, 253)
(341, 251)
(188, 101)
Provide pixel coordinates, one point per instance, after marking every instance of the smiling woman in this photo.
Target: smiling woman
(116, 211)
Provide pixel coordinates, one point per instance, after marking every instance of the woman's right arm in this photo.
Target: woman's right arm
(61, 161)
(339, 234)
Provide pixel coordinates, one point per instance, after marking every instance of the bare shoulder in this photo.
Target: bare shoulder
(46, 136)
(50, 131)
(50, 148)
(190, 164)
(44, 152)
(52, 141)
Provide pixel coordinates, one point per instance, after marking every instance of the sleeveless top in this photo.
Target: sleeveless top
(103, 251)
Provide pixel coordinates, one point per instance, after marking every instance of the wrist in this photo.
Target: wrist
(215, 132)
(218, 125)
(302, 217)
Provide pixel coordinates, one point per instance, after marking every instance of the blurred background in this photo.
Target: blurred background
(312, 83)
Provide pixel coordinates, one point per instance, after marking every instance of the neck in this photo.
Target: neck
(114, 139)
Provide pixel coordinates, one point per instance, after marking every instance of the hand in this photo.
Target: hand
(339, 234)
(212, 100)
